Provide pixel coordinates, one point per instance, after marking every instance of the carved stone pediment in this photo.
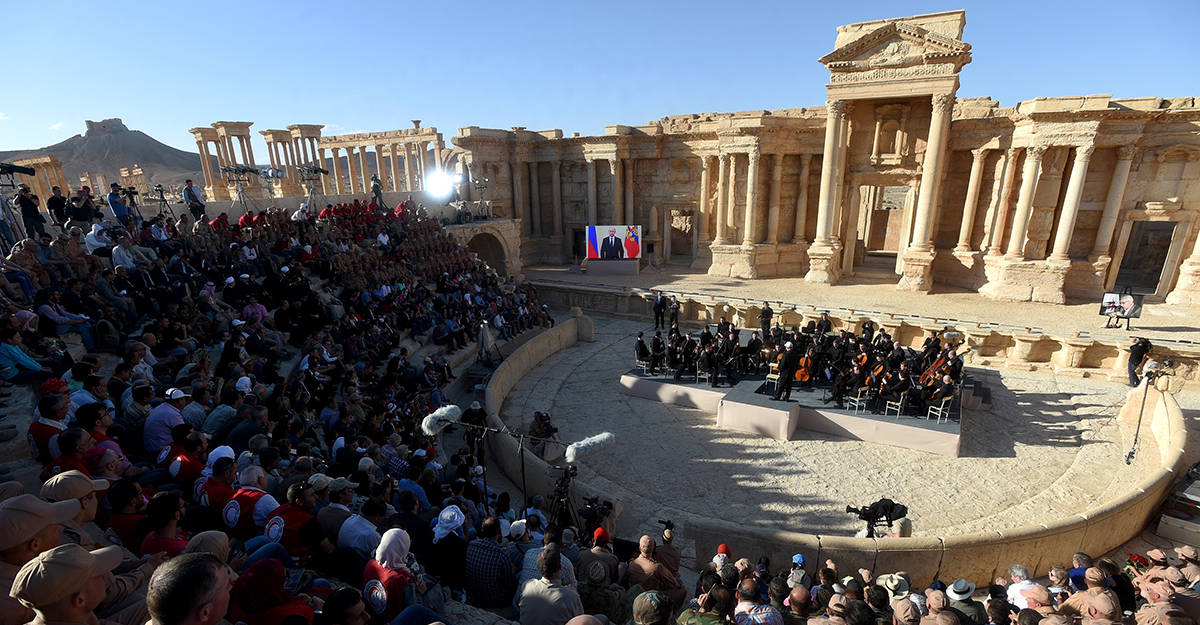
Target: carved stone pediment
(898, 45)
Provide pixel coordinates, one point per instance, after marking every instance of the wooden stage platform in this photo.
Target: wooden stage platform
(747, 407)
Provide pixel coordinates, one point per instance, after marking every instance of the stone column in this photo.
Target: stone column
(535, 201)
(722, 203)
(630, 212)
(249, 151)
(364, 174)
(704, 208)
(776, 193)
(1029, 179)
(917, 271)
(521, 210)
(205, 165)
(408, 167)
(393, 160)
(351, 169)
(337, 170)
(931, 172)
(1070, 209)
(731, 200)
(802, 200)
(750, 236)
(1187, 287)
(978, 156)
(1112, 204)
(323, 164)
(591, 191)
(556, 196)
(617, 170)
(1000, 211)
(835, 113)
(380, 167)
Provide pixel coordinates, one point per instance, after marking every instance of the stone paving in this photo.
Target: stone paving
(1047, 448)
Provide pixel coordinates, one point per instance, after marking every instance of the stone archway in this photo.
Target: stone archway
(491, 250)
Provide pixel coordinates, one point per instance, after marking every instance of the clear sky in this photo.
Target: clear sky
(167, 66)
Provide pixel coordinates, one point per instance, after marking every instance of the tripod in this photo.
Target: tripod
(240, 198)
(8, 221)
(560, 504)
(164, 206)
(315, 198)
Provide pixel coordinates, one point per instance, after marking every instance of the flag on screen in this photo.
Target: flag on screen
(593, 246)
(633, 246)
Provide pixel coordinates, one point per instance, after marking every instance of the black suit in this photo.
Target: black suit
(612, 248)
(787, 374)
(660, 312)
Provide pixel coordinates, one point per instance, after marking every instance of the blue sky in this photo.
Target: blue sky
(168, 66)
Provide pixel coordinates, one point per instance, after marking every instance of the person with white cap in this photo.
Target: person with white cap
(789, 363)
(65, 584)
(28, 526)
(168, 414)
(447, 556)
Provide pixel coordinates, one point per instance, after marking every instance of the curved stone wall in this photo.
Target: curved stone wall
(979, 557)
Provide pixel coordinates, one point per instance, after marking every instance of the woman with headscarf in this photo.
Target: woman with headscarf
(393, 582)
(259, 598)
(447, 557)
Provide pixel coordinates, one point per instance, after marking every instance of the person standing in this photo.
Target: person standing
(119, 209)
(195, 203)
(660, 310)
(764, 318)
(31, 216)
(674, 310)
(57, 205)
(787, 372)
(1139, 348)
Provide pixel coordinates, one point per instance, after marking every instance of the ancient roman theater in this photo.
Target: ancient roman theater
(898, 205)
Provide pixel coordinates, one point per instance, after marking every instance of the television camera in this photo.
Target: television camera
(880, 514)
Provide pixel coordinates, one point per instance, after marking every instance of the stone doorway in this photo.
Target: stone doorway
(879, 212)
(491, 250)
(1144, 264)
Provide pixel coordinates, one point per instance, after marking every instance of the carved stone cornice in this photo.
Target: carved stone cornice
(943, 103)
(1083, 153)
(836, 108)
(1127, 152)
(1036, 152)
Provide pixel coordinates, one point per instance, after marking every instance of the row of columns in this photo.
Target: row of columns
(621, 171)
(527, 180)
(753, 218)
(413, 154)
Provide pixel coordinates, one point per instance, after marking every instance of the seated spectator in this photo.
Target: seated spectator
(65, 584)
(164, 512)
(545, 600)
(32, 526)
(157, 430)
(246, 512)
(490, 571)
(259, 597)
(359, 534)
(191, 589)
(16, 366)
(73, 444)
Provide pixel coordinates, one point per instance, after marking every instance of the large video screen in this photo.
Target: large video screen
(614, 242)
(1122, 305)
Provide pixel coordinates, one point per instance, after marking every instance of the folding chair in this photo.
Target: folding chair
(860, 400)
(941, 410)
(898, 405)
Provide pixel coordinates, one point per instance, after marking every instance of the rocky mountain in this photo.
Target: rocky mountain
(109, 145)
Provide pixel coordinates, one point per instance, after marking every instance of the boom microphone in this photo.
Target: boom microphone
(589, 445)
(437, 420)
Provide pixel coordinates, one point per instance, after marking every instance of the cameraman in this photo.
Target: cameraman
(83, 210)
(118, 207)
(31, 217)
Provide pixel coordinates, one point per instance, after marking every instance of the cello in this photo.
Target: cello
(938, 363)
(804, 370)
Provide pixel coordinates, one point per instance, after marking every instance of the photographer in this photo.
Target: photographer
(119, 209)
(31, 217)
(83, 209)
(57, 205)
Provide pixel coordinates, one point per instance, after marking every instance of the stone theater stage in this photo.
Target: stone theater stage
(747, 407)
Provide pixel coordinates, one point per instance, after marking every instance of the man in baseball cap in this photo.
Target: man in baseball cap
(65, 583)
(28, 526)
(1189, 562)
(74, 485)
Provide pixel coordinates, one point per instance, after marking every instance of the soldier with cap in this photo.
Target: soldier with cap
(65, 584)
(1158, 567)
(1097, 597)
(332, 516)
(1037, 597)
(28, 526)
(1185, 597)
(601, 552)
(125, 588)
(1189, 563)
(1159, 608)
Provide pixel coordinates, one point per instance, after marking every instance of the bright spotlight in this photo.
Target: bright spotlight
(440, 184)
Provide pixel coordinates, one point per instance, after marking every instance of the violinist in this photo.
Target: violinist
(941, 391)
(673, 352)
(894, 385)
(825, 324)
(789, 361)
(709, 362)
(722, 327)
(897, 356)
(848, 382)
(730, 353)
(868, 331)
(640, 351)
(929, 349)
(706, 337)
(687, 357)
(658, 352)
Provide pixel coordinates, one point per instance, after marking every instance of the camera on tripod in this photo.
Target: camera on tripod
(561, 473)
(882, 513)
(128, 191)
(594, 512)
(542, 427)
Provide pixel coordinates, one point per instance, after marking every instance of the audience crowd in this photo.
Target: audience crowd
(241, 442)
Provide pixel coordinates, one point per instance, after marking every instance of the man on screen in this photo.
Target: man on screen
(612, 248)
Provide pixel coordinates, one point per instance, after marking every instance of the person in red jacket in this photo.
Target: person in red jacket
(73, 443)
(292, 526)
(218, 488)
(43, 432)
(185, 464)
(246, 513)
(259, 597)
(128, 512)
(164, 512)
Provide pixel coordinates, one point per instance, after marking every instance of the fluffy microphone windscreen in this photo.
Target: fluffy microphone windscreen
(589, 445)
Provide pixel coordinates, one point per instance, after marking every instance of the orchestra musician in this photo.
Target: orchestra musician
(687, 359)
(658, 352)
(706, 337)
(641, 352)
(752, 354)
(673, 352)
(722, 327)
(789, 362)
(764, 318)
(825, 324)
(709, 363)
(848, 382)
(729, 352)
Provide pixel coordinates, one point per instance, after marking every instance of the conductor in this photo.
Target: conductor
(612, 248)
(788, 363)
